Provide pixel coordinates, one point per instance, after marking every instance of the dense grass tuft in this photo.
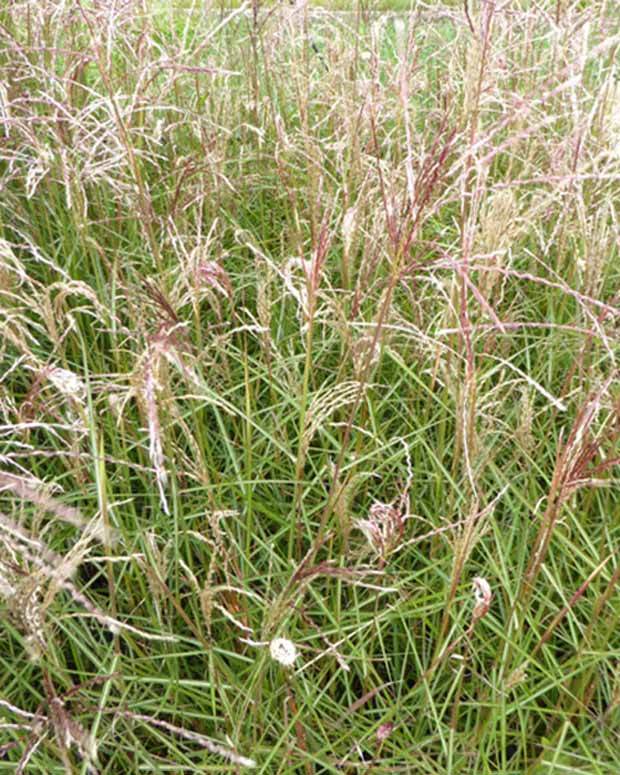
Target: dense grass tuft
(308, 406)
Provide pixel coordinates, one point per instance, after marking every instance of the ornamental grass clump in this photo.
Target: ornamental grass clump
(309, 320)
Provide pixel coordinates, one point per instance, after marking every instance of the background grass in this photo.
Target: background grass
(307, 323)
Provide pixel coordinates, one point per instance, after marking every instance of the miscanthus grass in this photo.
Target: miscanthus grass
(309, 411)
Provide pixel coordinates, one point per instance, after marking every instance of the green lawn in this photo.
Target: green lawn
(309, 330)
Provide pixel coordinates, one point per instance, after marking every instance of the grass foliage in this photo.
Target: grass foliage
(309, 322)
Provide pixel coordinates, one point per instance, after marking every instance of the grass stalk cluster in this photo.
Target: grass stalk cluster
(309, 413)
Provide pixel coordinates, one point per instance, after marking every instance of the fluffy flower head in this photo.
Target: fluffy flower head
(283, 651)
